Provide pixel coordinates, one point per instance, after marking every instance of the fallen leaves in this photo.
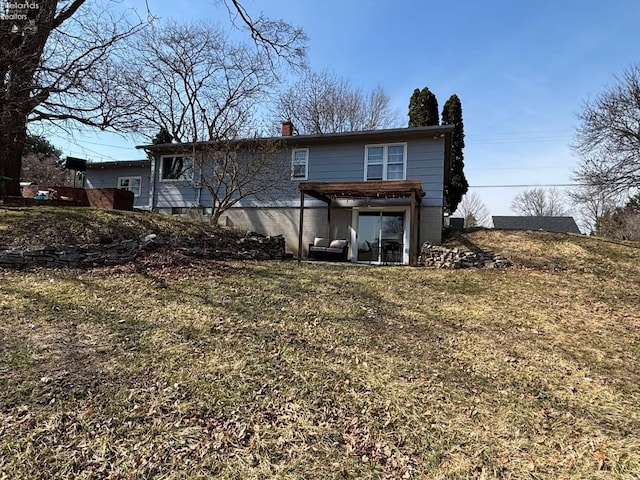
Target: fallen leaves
(234, 370)
(601, 457)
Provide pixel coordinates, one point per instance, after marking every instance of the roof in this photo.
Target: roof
(120, 164)
(391, 134)
(546, 224)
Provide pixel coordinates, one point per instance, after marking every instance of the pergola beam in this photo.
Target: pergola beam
(371, 189)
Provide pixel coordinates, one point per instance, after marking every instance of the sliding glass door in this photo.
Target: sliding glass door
(380, 237)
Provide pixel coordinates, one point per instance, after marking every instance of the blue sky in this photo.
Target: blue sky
(521, 69)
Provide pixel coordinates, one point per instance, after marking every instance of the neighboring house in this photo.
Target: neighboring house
(132, 175)
(546, 224)
(382, 190)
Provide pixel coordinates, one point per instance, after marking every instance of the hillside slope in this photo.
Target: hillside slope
(554, 251)
(40, 226)
(188, 368)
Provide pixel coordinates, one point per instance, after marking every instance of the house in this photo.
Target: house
(381, 190)
(546, 224)
(131, 175)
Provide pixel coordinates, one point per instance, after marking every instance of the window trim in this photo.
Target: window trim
(385, 159)
(131, 177)
(188, 179)
(306, 163)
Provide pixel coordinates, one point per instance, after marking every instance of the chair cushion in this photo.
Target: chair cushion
(339, 244)
(321, 242)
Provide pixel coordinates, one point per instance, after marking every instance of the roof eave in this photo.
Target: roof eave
(397, 134)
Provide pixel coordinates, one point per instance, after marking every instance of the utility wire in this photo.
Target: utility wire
(536, 185)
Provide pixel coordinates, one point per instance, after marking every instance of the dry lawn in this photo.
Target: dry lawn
(38, 226)
(182, 369)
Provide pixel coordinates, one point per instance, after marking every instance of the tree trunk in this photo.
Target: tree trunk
(11, 147)
(19, 60)
(215, 216)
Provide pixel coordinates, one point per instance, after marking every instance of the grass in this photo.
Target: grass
(38, 226)
(284, 370)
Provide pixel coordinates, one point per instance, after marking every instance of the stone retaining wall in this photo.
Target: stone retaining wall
(436, 256)
(253, 246)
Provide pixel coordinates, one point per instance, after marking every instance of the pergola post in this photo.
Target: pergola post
(419, 213)
(413, 239)
(329, 219)
(300, 224)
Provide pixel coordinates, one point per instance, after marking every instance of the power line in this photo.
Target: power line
(548, 167)
(529, 186)
(528, 132)
(107, 145)
(519, 140)
(84, 150)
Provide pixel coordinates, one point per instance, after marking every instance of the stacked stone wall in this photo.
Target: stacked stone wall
(436, 256)
(253, 246)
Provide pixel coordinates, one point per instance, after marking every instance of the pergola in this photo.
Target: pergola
(328, 191)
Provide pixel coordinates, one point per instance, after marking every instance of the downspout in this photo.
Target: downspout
(197, 185)
(152, 184)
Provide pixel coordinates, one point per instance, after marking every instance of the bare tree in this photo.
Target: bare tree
(622, 223)
(277, 38)
(192, 81)
(539, 202)
(324, 103)
(256, 169)
(249, 169)
(608, 139)
(473, 210)
(592, 202)
(56, 67)
(196, 86)
(41, 163)
(45, 170)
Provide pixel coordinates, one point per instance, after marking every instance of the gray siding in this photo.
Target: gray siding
(336, 163)
(345, 162)
(175, 194)
(339, 161)
(425, 162)
(108, 178)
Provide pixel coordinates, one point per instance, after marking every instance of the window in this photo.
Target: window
(299, 164)
(179, 210)
(176, 168)
(132, 184)
(385, 162)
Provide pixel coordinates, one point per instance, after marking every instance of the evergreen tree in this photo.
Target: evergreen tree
(423, 108)
(163, 136)
(452, 115)
(40, 146)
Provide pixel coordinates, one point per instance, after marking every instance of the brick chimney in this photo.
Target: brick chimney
(287, 128)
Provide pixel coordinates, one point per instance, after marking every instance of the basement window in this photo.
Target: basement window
(179, 210)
